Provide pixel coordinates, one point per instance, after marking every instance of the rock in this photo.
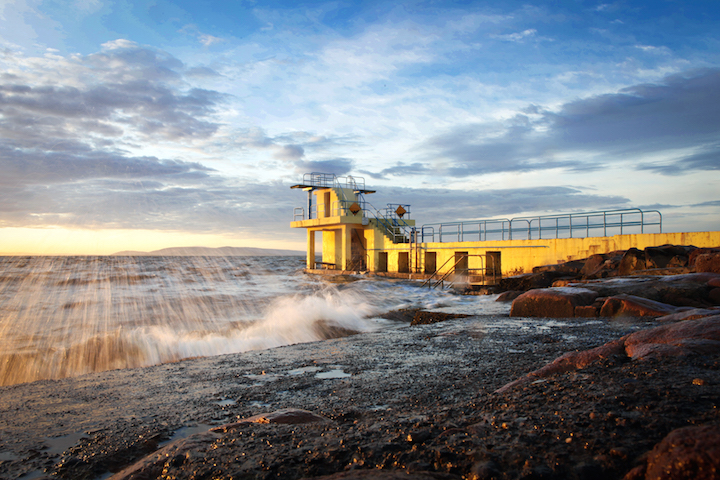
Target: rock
(633, 259)
(685, 453)
(689, 314)
(714, 296)
(551, 302)
(373, 474)
(528, 281)
(708, 262)
(172, 455)
(570, 361)
(682, 335)
(572, 267)
(692, 257)
(633, 306)
(700, 336)
(291, 416)
(586, 311)
(714, 282)
(423, 317)
(593, 265)
(508, 296)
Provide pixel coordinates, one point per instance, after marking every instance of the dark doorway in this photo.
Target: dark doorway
(382, 262)
(461, 263)
(430, 262)
(403, 262)
(493, 266)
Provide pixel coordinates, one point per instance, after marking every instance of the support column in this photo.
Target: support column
(310, 249)
(346, 246)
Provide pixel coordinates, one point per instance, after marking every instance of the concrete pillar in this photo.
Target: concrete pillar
(346, 246)
(310, 248)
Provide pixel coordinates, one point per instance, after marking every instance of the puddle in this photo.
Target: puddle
(8, 457)
(260, 404)
(226, 402)
(57, 445)
(184, 432)
(375, 408)
(332, 374)
(300, 371)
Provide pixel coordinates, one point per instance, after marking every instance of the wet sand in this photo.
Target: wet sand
(413, 399)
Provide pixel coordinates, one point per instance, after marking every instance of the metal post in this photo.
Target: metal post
(309, 204)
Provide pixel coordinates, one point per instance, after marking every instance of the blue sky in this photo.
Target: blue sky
(150, 124)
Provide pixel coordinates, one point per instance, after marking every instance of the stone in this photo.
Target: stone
(633, 306)
(633, 259)
(373, 474)
(423, 317)
(586, 311)
(685, 453)
(714, 296)
(508, 296)
(569, 362)
(714, 282)
(572, 267)
(692, 258)
(689, 314)
(289, 416)
(680, 335)
(551, 302)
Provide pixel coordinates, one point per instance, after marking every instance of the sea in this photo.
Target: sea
(67, 316)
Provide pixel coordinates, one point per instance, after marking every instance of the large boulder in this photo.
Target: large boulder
(633, 259)
(631, 306)
(551, 302)
(691, 453)
(708, 262)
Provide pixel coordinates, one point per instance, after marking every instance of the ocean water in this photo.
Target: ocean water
(66, 316)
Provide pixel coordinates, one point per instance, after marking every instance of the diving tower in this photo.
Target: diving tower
(356, 236)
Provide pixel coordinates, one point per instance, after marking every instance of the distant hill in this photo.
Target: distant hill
(213, 252)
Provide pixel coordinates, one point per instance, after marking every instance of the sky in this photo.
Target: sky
(139, 125)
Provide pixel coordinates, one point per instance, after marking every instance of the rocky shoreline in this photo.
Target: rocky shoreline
(478, 397)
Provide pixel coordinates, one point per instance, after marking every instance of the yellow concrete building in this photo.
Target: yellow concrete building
(358, 237)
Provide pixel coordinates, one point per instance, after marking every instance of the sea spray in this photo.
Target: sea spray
(65, 316)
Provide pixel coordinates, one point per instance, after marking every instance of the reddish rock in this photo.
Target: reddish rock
(692, 258)
(633, 259)
(586, 311)
(632, 306)
(688, 314)
(385, 475)
(508, 296)
(680, 334)
(691, 453)
(290, 416)
(593, 265)
(714, 282)
(570, 361)
(714, 296)
(551, 302)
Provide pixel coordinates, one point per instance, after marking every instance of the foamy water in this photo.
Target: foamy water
(65, 316)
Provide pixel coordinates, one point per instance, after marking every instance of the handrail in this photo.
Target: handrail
(539, 226)
(330, 180)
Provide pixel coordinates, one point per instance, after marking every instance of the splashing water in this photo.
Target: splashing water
(65, 316)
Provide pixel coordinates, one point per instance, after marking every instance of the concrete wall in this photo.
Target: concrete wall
(520, 256)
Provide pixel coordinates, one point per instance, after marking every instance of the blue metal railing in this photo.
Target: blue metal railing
(330, 180)
(566, 225)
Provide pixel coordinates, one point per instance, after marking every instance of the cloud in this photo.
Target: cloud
(338, 166)
(682, 111)
(516, 37)
(444, 205)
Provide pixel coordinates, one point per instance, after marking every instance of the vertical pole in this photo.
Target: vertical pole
(310, 249)
(309, 204)
(346, 240)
